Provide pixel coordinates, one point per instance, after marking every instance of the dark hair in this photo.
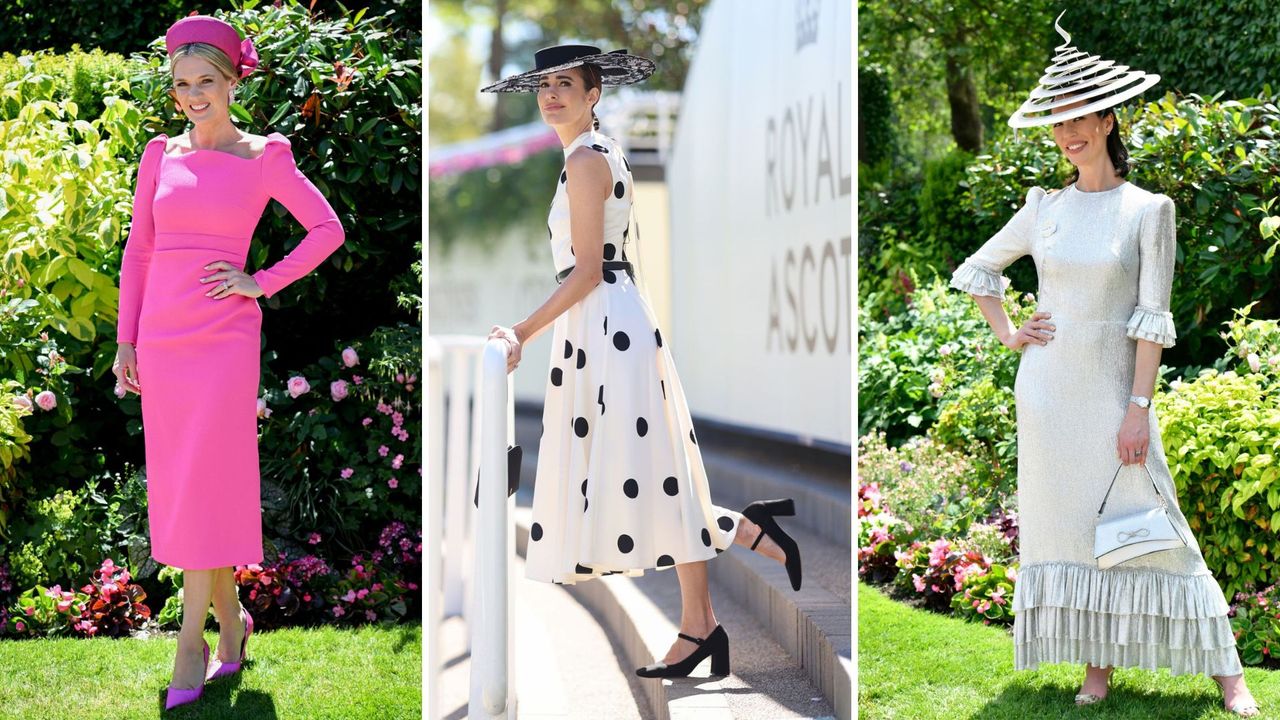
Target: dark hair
(591, 79)
(1115, 148)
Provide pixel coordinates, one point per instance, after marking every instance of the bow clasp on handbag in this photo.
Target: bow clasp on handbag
(1125, 536)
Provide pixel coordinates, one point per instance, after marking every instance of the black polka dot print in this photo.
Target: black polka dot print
(564, 177)
(625, 230)
(600, 149)
(642, 427)
(663, 385)
(670, 486)
(550, 235)
(610, 250)
(619, 189)
(582, 569)
(626, 164)
(582, 358)
(568, 350)
(692, 439)
(657, 334)
(666, 561)
(557, 376)
(585, 502)
(706, 537)
(610, 277)
(625, 544)
(621, 341)
(535, 532)
(580, 427)
(606, 324)
(600, 400)
(725, 522)
(584, 488)
(631, 488)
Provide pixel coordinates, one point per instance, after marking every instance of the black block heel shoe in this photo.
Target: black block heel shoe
(716, 645)
(762, 513)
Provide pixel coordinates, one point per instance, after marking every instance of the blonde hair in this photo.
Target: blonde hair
(216, 57)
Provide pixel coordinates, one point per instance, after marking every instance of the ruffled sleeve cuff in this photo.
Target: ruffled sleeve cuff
(1153, 325)
(977, 280)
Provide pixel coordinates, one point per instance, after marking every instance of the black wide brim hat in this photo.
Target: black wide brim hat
(616, 68)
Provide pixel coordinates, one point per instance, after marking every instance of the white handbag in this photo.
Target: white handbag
(1130, 536)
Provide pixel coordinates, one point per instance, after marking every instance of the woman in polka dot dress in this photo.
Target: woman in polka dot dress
(620, 485)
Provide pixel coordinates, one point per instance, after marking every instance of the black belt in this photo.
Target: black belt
(606, 265)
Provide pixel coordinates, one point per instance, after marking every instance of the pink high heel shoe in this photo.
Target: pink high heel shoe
(181, 696)
(231, 668)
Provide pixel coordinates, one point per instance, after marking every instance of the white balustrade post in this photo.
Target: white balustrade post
(433, 513)
(458, 480)
(489, 619)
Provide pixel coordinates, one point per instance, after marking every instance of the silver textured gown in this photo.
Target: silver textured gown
(1105, 266)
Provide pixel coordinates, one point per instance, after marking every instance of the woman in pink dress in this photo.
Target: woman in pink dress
(189, 328)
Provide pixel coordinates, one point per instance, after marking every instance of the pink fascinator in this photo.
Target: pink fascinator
(215, 32)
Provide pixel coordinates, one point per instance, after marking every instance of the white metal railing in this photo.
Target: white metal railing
(643, 121)
(472, 435)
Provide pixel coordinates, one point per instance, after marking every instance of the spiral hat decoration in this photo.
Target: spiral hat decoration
(1074, 76)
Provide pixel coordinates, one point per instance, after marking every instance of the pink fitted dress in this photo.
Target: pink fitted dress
(198, 357)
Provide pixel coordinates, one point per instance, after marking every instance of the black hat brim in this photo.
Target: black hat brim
(616, 68)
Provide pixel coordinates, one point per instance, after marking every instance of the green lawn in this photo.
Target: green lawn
(915, 665)
(313, 674)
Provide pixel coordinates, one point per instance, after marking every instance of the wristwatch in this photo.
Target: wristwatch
(1140, 401)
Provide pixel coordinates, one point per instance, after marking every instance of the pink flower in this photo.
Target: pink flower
(338, 390)
(362, 594)
(397, 419)
(47, 400)
(397, 461)
(263, 410)
(371, 615)
(367, 422)
(393, 483)
(383, 450)
(54, 592)
(350, 596)
(64, 606)
(347, 473)
(21, 626)
(338, 612)
(411, 379)
(918, 582)
(400, 378)
(23, 402)
(30, 609)
(376, 587)
(298, 386)
(349, 357)
(1255, 363)
(314, 538)
(357, 379)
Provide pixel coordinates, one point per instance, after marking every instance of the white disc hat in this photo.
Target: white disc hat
(1075, 76)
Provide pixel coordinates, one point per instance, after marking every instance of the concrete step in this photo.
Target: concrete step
(643, 615)
(814, 626)
(566, 665)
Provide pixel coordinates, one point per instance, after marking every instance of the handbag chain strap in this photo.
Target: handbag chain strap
(1163, 503)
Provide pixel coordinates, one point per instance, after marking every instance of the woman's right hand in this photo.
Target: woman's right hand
(125, 369)
(1036, 329)
(508, 334)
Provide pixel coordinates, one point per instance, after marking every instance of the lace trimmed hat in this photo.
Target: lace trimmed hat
(617, 67)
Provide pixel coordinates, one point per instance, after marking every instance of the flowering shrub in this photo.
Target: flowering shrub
(937, 570)
(879, 537)
(275, 593)
(1255, 618)
(870, 501)
(986, 594)
(990, 540)
(925, 485)
(379, 588)
(114, 604)
(44, 611)
(342, 461)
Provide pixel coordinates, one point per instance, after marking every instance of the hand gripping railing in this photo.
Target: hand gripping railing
(492, 610)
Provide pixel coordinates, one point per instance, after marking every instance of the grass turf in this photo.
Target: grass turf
(916, 665)
(315, 673)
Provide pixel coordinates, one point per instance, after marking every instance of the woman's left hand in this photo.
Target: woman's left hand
(1135, 436)
(231, 281)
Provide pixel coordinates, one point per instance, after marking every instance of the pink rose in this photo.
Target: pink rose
(47, 400)
(338, 390)
(393, 483)
(397, 461)
(263, 410)
(298, 386)
(349, 357)
(23, 402)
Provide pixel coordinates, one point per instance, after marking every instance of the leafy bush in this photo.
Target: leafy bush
(910, 364)
(877, 126)
(981, 420)
(945, 216)
(77, 76)
(114, 606)
(283, 592)
(986, 594)
(55, 539)
(1220, 432)
(880, 534)
(343, 458)
(1255, 618)
(990, 540)
(381, 588)
(931, 488)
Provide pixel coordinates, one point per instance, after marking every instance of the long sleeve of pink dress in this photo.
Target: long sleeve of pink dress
(198, 357)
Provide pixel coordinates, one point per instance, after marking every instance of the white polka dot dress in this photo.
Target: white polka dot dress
(620, 486)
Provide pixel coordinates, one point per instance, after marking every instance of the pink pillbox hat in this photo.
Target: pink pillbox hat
(215, 32)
